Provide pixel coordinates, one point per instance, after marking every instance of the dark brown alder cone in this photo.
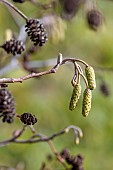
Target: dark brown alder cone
(65, 153)
(36, 32)
(76, 161)
(28, 118)
(70, 8)
(94, 19)
(13, 46)
(7, 106)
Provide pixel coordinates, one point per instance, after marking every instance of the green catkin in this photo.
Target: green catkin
(90, 75)
(75, 96)
(86, 106)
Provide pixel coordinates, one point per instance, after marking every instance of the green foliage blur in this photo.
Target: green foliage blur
(48, 97)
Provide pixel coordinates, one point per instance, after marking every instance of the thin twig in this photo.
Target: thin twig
(51, 62)
(40, 137)
(81, 73)
(32, 75)
(60, 159)
(74, 60)
(7, 142)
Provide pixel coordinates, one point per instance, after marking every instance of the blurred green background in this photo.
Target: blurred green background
(48, 97)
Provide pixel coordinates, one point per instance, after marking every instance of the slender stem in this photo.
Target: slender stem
(40, 137)
(7, 142)
(81, 73)
(74, 60)
(15, 8)
(78, 74)
(51, 71)
(21, 79)
(61, 160)
(85, 80)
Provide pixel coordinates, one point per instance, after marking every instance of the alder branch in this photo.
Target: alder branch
(8, 141)
(57, 154)
(32, 75)
(40, 137)
(50, 62)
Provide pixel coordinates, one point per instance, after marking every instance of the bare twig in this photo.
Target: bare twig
(60, 159)
(12, 65)
(40, 137)
(43, 138)
(51, 62)
(32, 75)
(7, 142)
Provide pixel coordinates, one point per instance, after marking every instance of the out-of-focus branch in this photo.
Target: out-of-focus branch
(52, 61)
(12, 65)
(42, 138)
(42, 5)
(41, 63)
(59, 157)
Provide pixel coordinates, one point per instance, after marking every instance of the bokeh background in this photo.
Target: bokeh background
(48, 97)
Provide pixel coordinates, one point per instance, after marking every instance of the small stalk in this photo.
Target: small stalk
(74, 60)
(60, 159)
(81, 61)
(81, 73)
(14, 8)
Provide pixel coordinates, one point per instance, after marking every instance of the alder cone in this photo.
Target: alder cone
(28, 118)
(7, 106)
(14, 46)
(76, 161)
(36, 31)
